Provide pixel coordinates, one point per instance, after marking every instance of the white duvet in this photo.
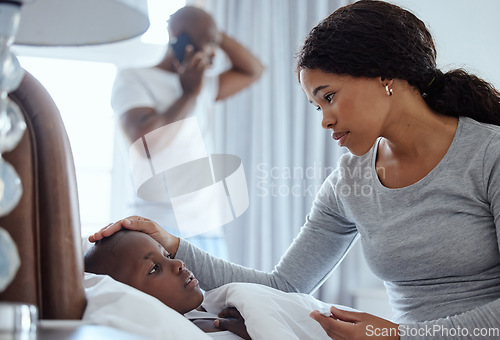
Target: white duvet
(268, 313)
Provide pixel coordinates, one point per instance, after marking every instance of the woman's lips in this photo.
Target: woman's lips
(340, 137)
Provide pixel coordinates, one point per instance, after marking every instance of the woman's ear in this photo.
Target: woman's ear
(386, 84)
(386, 81)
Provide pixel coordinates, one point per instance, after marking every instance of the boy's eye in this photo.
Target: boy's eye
(167, 254)
(154, 270)
(318, 108)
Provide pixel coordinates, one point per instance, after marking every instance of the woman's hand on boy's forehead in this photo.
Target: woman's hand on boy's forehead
(108, 230)
(147, 226)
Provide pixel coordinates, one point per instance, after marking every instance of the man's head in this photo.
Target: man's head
(136, 259)
(199, 26)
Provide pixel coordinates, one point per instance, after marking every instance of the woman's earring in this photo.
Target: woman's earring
(388, 90)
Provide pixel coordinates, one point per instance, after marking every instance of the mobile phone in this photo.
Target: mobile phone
(179, 45)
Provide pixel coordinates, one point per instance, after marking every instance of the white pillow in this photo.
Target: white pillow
(117, 305)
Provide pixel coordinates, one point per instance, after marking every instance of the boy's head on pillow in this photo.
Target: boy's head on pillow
(136, 259)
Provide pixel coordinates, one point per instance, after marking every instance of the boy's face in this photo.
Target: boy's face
(144, 264)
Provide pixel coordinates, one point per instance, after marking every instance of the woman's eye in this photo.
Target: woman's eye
(154, 269)
(329, 97)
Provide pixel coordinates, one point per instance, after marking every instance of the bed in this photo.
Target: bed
(269, 314)
(46, 229)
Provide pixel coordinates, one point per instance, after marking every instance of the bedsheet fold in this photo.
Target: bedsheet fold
(270, 313)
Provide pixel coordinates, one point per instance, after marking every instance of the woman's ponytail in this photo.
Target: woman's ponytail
(458, 93)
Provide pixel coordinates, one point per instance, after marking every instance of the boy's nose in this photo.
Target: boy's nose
(178, 266)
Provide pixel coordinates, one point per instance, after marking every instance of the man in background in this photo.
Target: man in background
(179, 87)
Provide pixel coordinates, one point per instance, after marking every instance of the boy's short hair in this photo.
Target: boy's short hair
(100, 258)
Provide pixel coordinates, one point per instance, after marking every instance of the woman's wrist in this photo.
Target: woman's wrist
(173, 245)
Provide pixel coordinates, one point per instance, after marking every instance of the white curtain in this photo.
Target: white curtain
(277, 134)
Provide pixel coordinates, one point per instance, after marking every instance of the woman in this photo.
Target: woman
(420, 186)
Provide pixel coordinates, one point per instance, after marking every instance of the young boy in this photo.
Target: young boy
(136, 259)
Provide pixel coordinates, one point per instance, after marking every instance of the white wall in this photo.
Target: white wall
(465, 33)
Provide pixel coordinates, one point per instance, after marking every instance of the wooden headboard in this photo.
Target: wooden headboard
(46, 223)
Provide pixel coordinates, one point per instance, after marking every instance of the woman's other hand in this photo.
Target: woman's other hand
(138, 223)
(231, 320)
(353, 325)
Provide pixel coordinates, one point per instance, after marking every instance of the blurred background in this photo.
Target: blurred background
(270, 126)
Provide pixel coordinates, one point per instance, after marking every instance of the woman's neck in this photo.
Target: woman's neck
(414, 142)
(414, 130)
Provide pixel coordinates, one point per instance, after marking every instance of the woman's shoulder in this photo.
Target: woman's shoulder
(471, 126)
(478, 147)
(479, 136)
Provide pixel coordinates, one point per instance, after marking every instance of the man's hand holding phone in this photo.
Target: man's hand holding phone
(190, 65)
(179, 46)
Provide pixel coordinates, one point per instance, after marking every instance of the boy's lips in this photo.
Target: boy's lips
(190, 280)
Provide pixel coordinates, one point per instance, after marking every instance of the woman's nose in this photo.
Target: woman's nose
(328, 121)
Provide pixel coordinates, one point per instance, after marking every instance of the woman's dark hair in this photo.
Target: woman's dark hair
(376, 39)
